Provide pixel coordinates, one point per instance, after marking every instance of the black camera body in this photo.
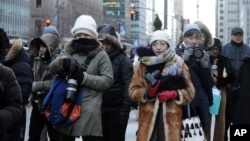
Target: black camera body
(71, 93)
(198, 52)
(153, 77)
(38, 99)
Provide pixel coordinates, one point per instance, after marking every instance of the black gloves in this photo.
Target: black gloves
(78, 75)
(70, 65)
(172, 83)
(124, 116)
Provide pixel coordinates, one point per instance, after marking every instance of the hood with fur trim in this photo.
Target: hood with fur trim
(51, 41)
(112, 39)
(209, 41)
(16, 53)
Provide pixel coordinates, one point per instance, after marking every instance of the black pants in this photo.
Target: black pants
(37, 124)
(16, 132)
(64, 137)
(231, 102)
(112, 129)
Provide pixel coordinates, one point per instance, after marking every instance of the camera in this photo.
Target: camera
(71, 90)
(152, 77)
(38, 99)
(198, 52)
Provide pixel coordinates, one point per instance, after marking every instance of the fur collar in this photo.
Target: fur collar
(15, 49)
(112, 39)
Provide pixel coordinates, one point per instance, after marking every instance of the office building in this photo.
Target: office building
(232, 13)
(14, 18)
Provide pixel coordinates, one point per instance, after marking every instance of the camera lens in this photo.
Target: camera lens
(71, 89)
(198, 52)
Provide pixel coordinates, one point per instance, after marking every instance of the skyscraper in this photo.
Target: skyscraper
(232, 13)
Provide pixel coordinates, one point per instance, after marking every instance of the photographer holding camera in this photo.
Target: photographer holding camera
(192, 51)
(161, 84)
(43, 50)
(97, 78)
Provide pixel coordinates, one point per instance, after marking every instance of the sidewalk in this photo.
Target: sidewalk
(130, 133)
(131, 128)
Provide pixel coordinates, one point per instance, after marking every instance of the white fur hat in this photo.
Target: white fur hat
(85, 24)
(159, 35)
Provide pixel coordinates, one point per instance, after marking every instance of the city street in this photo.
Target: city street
(130, 133)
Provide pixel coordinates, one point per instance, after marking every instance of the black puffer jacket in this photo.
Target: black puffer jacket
(18, 60)
(242, 115)
(117, 95)
(10, 99)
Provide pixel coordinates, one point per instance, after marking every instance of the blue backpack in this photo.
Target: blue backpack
(59, 111)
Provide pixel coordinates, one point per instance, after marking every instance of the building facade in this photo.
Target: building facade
(14, 18)
(131, 26)
(232, 13)
(62, 14)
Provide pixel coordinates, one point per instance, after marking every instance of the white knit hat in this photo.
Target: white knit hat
(159, 35)
(85, 24)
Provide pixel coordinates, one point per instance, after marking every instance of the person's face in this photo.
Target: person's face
(238, 37)
(214, 52)
(193, 40)
(83, 35)
(43, 49)
(159, 46)
(202, 39)
(106, 45)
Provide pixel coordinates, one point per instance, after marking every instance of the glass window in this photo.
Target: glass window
(38, 3)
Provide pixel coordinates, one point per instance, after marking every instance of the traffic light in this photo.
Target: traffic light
(48, 22)
(132, 14)
(137, 15)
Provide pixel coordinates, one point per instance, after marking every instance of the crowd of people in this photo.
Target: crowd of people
(157, 79)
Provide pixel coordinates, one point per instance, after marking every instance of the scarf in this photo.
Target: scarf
(84, 45)
(173, 63)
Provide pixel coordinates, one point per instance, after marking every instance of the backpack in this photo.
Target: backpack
(59, 110)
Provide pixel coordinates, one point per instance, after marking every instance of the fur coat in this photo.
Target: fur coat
(148, 109)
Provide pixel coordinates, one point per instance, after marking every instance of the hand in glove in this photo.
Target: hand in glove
(70, 65)
(152, 90)
(167, 95)
(78, 76)
(204, 61)
(124, 116)
(187, 53)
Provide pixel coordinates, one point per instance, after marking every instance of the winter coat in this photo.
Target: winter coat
(149, 109)
(203, 83)
(116, 96)
(235, 54)
(18, 60)
(40, 73)
(225, 74)
(99, 76)
(10, 98)
(242, 115)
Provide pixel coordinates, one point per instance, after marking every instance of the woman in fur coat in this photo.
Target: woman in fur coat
(161, 84)
(223, 75)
